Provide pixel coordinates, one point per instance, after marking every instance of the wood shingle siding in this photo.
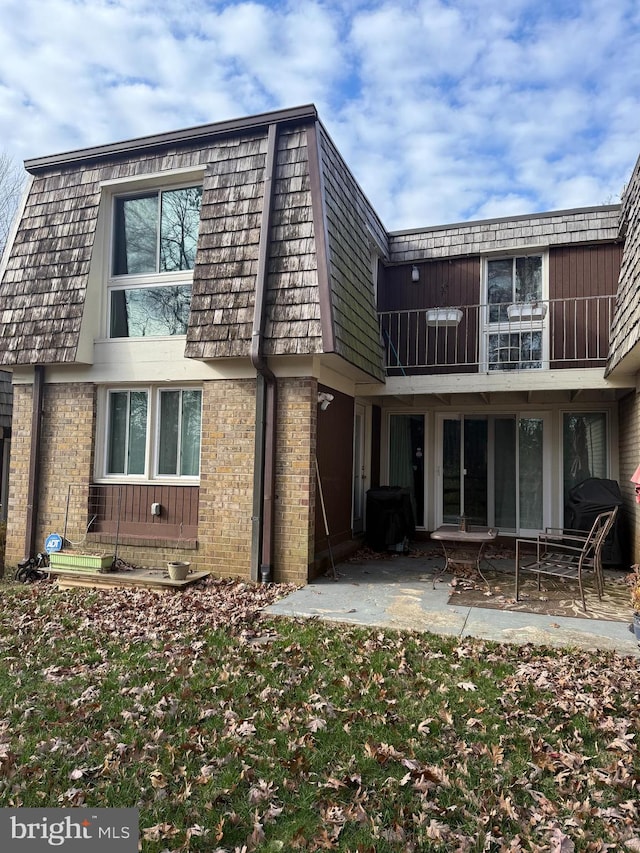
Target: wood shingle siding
(44, 286)
(226, 261)
(625, 330)
(355, 238)
(293, 308)
(497, 235)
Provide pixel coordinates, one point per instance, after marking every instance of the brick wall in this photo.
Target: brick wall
(18, 476)
(295, 479)
(226, 480)
(629, 457)
(226, 485)
(66, 458)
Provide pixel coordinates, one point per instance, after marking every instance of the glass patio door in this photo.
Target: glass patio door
(406, 459)
(492, 471)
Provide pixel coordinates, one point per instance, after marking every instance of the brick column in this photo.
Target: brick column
(295, 479)
(226, 476)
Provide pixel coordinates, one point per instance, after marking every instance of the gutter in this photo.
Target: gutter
(266, 391)
(33, 494)
(190, 135)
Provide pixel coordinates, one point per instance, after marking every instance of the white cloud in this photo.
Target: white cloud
(443, 110)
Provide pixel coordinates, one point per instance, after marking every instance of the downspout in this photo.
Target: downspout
(265, 430)
(33, 494)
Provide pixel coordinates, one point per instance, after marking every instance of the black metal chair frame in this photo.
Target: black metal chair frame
(566, 554)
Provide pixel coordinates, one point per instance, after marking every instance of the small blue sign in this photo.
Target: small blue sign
(52, 543)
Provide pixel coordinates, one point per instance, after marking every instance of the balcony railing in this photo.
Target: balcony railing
(546, 334)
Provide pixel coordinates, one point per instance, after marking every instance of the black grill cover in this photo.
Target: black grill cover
(585, 502)
(389, 517)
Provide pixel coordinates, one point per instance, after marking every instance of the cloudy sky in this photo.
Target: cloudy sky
(445, 110)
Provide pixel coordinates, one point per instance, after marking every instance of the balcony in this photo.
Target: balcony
(543, 335)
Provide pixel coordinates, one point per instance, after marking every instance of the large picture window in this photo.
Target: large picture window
(156, 232)
(155, 238)
(512, 281)
(153, 433)
(515, 328)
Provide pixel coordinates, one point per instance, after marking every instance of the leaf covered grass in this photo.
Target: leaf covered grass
(234, 732)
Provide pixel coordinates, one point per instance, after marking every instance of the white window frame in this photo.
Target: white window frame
(150, 474)
(123, 188)
(514, 326)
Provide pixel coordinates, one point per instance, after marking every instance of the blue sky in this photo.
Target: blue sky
(444, 111)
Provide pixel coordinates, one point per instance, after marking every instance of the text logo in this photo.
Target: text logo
(37, 830)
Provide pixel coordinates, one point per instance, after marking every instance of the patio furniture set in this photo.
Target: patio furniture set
(559, 552)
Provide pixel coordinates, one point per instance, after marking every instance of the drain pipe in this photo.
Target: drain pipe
(265, 429)
(33, 495)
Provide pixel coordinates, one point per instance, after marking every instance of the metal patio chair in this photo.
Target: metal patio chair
(566, 554)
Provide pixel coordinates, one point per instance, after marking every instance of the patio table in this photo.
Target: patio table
(456, 543)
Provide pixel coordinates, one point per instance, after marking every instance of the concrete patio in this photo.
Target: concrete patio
(398, 593)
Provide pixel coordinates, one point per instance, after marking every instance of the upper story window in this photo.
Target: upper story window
(515, 330)
(510, 281)
(154, 247)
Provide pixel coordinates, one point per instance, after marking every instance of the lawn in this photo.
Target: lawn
(231, 732)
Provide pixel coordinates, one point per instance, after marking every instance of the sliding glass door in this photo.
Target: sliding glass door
(492, 471)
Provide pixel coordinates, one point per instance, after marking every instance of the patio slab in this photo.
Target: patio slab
(398, 593)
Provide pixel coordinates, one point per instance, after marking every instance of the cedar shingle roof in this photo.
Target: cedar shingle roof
(560, 227)
(44, 286)
(324, 239)
(625, 328)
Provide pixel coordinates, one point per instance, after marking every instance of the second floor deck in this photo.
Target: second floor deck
(550, 334)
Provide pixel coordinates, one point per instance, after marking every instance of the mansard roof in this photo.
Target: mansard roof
(320, 293)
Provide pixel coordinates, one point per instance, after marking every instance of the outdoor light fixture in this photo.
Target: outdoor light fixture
(324, 400)
(415, 273)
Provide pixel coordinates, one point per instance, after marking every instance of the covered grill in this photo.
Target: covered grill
(585, 501)
(390, 519)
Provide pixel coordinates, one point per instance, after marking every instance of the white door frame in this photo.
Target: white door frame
(546, 418)
(361, 472)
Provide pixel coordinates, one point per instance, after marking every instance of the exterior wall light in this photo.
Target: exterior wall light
(324, 400)
(415, 273)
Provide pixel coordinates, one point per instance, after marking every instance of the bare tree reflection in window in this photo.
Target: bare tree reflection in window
(179, 221)
(147, 311)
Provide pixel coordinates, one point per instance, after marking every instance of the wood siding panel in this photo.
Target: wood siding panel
(575, 274)
(126, 509)
(335, 462)
(442, 284)
(355, 237)
(292, 323)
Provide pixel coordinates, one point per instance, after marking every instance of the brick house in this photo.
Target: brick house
(200, 322)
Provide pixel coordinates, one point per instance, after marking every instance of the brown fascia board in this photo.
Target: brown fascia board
(161, 140)
(472, 223)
